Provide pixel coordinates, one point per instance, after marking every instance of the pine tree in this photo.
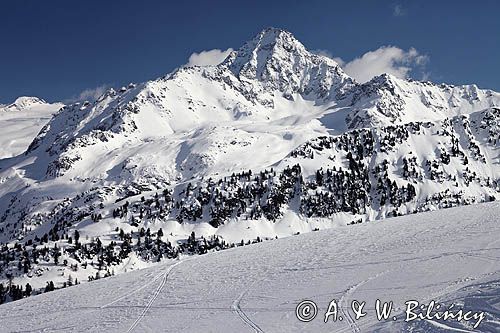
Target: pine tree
(28, 290)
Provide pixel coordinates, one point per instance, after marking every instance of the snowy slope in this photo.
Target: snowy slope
(387, 100)
(273, 141)
(21, 121)
(448, 256)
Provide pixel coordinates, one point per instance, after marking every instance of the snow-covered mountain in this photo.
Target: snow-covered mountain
(273, 141)
(24, 102)
(21, 121)
(387, 100)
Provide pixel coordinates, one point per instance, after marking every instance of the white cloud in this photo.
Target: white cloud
(339, 61)
(210, 57)
(386, 59)
(91, 93)
(398, 10)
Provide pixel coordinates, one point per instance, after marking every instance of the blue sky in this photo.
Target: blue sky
(58, 49)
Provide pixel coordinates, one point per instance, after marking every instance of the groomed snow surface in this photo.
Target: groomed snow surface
(451, 256)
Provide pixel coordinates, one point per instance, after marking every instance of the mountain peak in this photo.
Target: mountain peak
(271, 43)
(275, 36)
(24, 102)
(279, 61)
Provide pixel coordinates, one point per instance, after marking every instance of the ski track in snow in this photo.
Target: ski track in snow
(346, 299)
(133, 292)
(344, 308)
(236, 308)
(155, 295)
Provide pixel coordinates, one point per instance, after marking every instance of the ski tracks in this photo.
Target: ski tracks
(133, 292)
(236, 308)
(157, 292)
(344, 303)
(344, 308)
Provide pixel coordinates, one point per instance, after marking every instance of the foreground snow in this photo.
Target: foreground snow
(449, 256)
